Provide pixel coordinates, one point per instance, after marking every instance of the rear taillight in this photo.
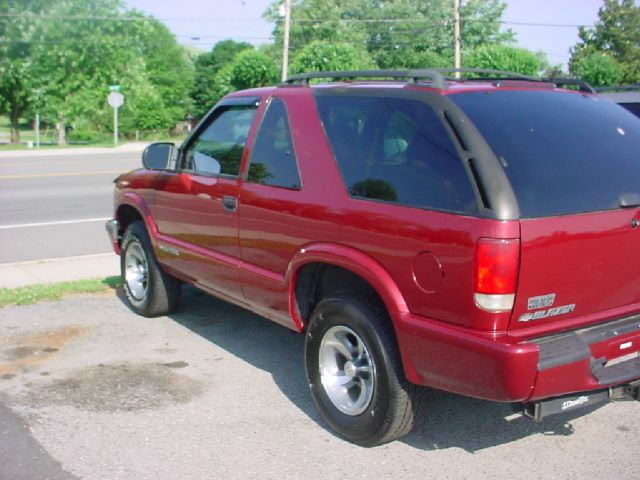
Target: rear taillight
(496, 273)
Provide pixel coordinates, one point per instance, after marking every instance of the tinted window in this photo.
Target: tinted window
(395, 150)
(632, 107)
(563, 152)
(273, 160)
(218, 150)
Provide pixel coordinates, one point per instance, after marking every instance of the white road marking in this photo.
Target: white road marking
(47, 224)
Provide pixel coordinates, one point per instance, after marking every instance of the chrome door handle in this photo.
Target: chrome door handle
(229, 203)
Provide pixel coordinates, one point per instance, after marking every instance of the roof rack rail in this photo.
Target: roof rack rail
(437, 80)
(581, 84)
(502, 73)
(618, 88)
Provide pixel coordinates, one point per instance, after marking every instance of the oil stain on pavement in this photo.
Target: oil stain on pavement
(119, 388)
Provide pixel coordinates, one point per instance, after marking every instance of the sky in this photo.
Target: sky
(202, 23)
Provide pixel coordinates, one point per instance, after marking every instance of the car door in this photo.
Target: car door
(196, 206)
(271, 227)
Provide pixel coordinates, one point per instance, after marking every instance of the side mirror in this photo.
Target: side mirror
(160, 156)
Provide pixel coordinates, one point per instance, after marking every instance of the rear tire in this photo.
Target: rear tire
(149, 290)
(354, 371)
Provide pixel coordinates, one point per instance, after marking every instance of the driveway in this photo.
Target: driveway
(90, 390)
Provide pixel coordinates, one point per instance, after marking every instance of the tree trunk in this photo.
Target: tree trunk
(15, 132)
(62, 136)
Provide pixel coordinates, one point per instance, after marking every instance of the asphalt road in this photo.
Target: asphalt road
(56, 205)
(89, 390)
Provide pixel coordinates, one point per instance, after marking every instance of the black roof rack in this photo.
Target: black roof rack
(504, 75)
(415, 76)
(437, 77)
(484, 71)
(619, 88)
(581, 84)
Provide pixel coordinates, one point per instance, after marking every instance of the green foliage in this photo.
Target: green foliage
(598, 69)
(396, 33)
(252, 69)
(617, 34)
(208, 86)
(79, 48)
(16, 86)
(321, 56)
(500, 57)
(169, 70)
(249, 68)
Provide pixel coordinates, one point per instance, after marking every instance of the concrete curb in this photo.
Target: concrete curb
(54, 270)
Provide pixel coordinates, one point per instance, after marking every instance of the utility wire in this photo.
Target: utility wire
(293, 20)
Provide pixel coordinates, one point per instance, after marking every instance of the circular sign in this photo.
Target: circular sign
(115, 99)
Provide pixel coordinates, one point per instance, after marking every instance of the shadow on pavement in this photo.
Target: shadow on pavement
(444, 421)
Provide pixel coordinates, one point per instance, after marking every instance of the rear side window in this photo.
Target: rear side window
(273, 159)
(395, 150)
(563, 152)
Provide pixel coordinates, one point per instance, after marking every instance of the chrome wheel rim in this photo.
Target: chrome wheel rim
(347, 371)
(136, 271)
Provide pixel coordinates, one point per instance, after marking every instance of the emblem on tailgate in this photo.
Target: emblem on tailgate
(543, 301)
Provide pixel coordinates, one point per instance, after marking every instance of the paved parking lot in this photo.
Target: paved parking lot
(90, 390)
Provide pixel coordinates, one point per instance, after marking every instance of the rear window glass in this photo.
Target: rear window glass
(563, 152)
(632, 107)
(395, 150)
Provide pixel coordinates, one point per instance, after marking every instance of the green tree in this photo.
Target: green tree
(16, 86)
(598, 69)
(501, 57)
(617, 34)
(250, 69)
(320, 56)
(80, 49)
(397, 33)
(208, 87)
(168, 69)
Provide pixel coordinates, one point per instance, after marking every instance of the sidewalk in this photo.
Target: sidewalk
(52, 152)
(14, 275)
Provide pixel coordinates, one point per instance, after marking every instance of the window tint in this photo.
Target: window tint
(632, 107)
(563, 152)
(218, 150)
(395, 150)
(273, 160)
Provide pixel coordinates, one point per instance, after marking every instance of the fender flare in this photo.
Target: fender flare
(136, 201)
(350, 259)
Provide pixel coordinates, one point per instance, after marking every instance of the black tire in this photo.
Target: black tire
(149, 290)
(368, 412)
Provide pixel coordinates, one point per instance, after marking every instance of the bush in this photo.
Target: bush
(88, 136)
(598, 69)
(501, 57)
(321, 57)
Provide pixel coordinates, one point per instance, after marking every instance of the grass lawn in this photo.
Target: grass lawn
(54, 291)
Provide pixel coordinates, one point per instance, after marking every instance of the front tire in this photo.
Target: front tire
(149, 290)
(354, 371)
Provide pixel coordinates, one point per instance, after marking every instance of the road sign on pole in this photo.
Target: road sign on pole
(115, 99)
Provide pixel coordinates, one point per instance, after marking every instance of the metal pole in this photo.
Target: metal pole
(285, 53)
(456, 35)
(37, 130)
(115, 126)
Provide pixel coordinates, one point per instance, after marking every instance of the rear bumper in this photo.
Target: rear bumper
(502, 368)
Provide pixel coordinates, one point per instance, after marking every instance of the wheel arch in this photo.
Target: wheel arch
(133, 208)
(321, 269)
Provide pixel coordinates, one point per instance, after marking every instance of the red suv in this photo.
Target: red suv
(475, 235)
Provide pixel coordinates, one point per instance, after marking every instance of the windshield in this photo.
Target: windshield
(563, 152)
